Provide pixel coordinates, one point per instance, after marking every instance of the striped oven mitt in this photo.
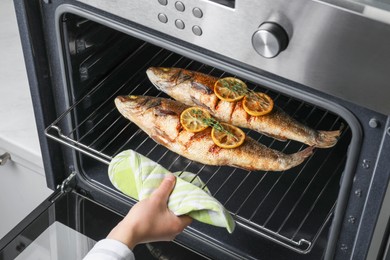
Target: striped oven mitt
(137, 176)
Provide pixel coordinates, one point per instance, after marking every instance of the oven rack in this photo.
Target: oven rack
(89, 135)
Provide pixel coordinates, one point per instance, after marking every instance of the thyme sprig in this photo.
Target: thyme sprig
(236, 86)
(209, 121)
(241, 89)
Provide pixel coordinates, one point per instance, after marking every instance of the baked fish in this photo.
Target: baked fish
(160, 119)
(197, 89)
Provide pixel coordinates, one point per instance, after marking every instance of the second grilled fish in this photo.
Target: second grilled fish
(197, 89)
(160, 119)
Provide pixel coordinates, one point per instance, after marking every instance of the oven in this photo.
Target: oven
(323, 62)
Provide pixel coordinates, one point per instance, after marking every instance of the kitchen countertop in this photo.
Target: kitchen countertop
(18, 133)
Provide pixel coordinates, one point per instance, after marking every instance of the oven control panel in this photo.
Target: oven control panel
(180, 23)
(236, 29)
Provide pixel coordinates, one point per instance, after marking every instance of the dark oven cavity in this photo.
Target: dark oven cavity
(293, 209)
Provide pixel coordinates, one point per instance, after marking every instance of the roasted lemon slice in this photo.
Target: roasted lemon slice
(193, 119)
(230, 89)
(257, 104)
(227, 136)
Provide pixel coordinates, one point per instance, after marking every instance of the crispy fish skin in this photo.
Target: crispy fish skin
(195, 88)
(160, 119)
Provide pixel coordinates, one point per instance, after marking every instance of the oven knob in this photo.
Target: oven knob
(269, 40)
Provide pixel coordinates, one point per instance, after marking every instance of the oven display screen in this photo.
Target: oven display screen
(228, 3)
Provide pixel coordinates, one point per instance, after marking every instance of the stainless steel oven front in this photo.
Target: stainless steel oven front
(322, 62)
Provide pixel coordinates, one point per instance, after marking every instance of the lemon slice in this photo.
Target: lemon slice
(227, 137)
(192, 119)
(257, 104)
(230, 89)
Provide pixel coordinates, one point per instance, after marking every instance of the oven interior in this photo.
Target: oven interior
(292, 210)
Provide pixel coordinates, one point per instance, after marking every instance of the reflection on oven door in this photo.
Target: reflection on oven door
(67, 225)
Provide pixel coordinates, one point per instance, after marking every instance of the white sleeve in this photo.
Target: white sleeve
(109, 249)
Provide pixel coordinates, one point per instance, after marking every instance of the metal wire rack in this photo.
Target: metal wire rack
(292, 208)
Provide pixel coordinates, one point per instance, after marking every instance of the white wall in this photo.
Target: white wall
(22, 180)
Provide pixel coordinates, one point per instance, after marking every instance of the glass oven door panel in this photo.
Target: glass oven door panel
(58, 242)
(38, 233)
(67, 227)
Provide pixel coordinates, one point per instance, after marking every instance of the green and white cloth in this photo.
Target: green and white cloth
(137, 176)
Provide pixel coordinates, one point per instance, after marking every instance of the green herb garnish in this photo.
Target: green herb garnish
(209, 121)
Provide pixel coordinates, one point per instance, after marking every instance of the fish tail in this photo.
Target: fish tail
(307, 151)
(300, 156)
(295, 159)
(326, 139)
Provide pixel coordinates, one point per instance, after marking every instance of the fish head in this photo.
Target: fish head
(132, 105)
(164, 79)
(158, 117)
(143, 106)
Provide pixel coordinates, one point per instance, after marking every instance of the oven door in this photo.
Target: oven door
(67, 225)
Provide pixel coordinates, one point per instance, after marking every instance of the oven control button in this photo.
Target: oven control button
(197, 30)
(180, 6)
(162, 18)
(269, 40)
(179, 24)
(163, 2)
(197, 12)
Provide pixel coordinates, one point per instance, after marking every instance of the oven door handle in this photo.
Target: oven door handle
(4, 158)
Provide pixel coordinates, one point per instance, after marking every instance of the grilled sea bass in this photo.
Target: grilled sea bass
(160, 119)
(197, 89)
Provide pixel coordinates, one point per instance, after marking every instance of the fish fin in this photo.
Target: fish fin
(201, 87)
(199, 104)
(306, 152)
(159, 111)
(326, 139)
(279, 138)
(299, 157)
(161, 138)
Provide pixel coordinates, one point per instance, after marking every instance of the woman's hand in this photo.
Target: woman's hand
(150, 219)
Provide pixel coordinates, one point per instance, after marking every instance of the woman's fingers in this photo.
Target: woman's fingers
(165, 188)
